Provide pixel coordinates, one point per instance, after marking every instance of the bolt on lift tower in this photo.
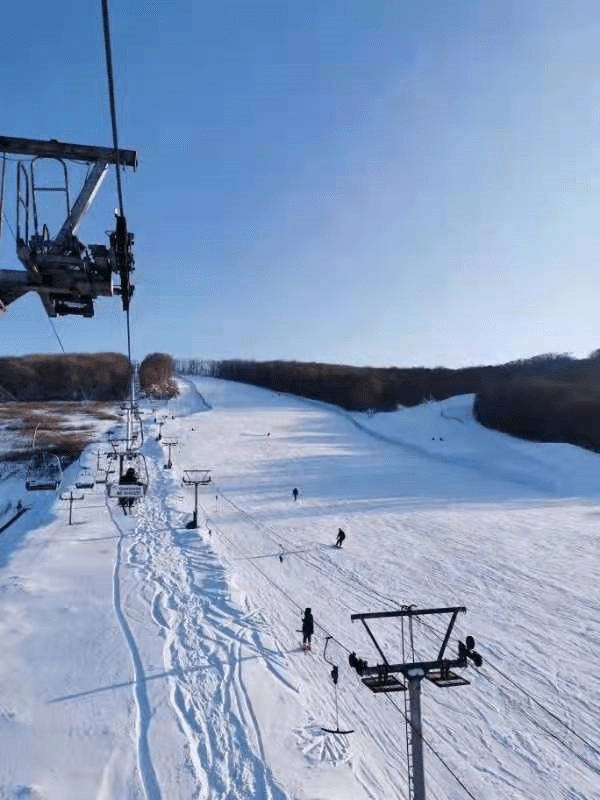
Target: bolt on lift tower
(381, 678)
(67, 274)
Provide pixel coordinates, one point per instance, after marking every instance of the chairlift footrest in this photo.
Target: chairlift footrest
(388, 684)
(449, 678)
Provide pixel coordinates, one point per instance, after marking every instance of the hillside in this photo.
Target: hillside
(146, 660)
(547, 398)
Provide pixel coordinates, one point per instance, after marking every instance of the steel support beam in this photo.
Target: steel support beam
(414, 691)
(426, 666)
(86, 197)
(407, 612)
(77, 152)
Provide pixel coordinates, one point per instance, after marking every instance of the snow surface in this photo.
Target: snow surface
(141, 659)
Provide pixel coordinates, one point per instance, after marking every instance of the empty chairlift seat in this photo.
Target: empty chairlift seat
(86, 479)
(44, 472)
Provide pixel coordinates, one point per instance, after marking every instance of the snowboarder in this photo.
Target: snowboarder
(308, 627)
(295, 493)
(340, 538)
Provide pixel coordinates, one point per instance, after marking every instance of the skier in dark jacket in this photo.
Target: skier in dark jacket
(340, 538)
(308, 626)
(128, 479)
(295, 493)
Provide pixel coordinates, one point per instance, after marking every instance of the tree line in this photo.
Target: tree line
(102, 377)
(550, 397)
(157, 376)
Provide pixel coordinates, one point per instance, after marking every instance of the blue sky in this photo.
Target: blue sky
(357, 181)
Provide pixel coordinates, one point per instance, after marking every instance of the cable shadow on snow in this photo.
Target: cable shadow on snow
(175, 673)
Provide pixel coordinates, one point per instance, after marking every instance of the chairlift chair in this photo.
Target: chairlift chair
(44, 472)
(131, 490)
(85, 479)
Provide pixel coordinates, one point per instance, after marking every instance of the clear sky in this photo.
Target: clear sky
(360, 181)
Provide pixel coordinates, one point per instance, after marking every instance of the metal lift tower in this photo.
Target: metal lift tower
(381, 678)
(67, 274)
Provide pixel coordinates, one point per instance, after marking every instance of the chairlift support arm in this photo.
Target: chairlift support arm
(52, 148)
(86, 196)
(66, 274)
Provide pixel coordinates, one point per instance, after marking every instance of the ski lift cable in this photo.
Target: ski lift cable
(543, 707)
(10, 227)
(534, 700)
(550, 713)
(347, 649)
(115, 136)
(53, 326)
(433, 750)
(2, 182)
(333, 638)
(275, 537)
(540, 705)
(388, 599)
(111, 97)
(271, 534)
(272, 582)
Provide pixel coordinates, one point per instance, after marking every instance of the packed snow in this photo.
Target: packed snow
(145, 660)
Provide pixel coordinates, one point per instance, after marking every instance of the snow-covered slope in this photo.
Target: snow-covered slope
(141, 659)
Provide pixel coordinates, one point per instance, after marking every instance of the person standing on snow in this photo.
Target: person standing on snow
(308, 626)
(340, 538)
(295, 493)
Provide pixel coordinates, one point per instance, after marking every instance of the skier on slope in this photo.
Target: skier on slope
(308, 626)
(295, 493)
(340, 538)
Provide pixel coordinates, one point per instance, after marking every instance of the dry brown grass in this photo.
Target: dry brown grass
(63, 428)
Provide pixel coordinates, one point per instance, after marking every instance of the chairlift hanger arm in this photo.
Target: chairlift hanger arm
(84, 200)
(447, 636)
(408, 612)
(379, 650)
(75, 152)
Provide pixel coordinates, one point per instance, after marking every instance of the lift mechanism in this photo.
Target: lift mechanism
(67, 274)
(439, 671)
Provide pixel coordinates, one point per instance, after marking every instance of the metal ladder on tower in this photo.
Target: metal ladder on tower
(407, 719)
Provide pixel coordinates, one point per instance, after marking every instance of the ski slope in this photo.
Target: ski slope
(141, 659)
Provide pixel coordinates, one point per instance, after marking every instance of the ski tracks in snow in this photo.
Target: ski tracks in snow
(145, 765)
(176, 585)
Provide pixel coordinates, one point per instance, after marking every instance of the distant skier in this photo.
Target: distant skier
(295, 493)
(340, 538)
(308, 626)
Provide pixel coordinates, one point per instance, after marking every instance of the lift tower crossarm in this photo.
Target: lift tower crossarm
(408, 612)
(78, 152)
